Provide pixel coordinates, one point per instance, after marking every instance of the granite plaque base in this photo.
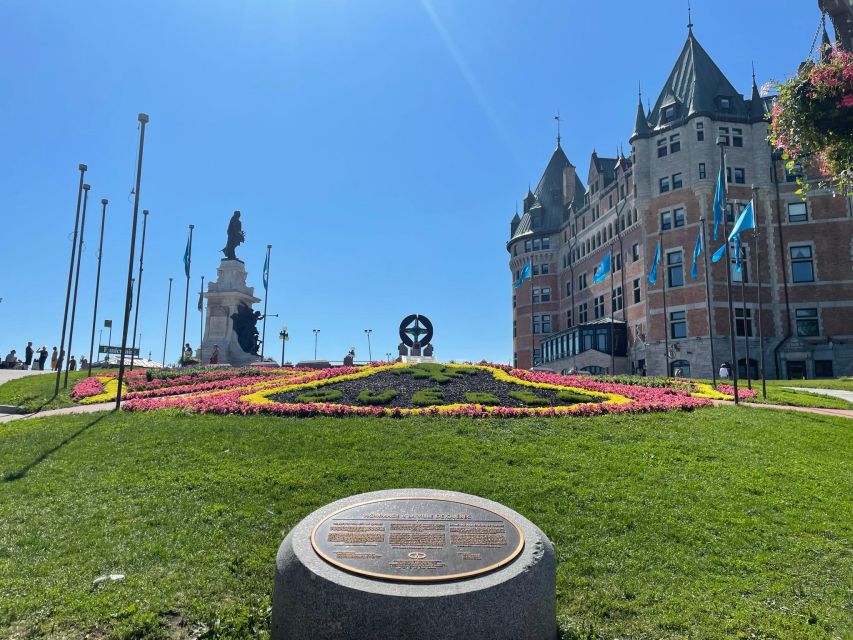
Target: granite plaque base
(325, 589)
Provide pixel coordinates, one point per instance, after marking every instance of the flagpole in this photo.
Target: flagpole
(82, 169)
(128, 297)
(728, 268)
(201, 323)
(76, 282)
(166, 332)
(266, 295)
(187, 294)
(743, 310)
(532, 311)
(104, 203)
(757, 233)
(708, 303)
(138, 287)
(665, 313)
(612, 316)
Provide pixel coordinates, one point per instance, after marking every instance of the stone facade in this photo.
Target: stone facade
(663, 191)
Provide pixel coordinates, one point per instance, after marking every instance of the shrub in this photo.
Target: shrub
(570, 397)
(427, 397)
(528, 398)
(319, 395)
(434, 372)
(478, 397)
(371, 397)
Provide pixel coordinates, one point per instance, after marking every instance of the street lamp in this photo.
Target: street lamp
(284, 337)
(369, 352)
(387, 356)
(316, 335)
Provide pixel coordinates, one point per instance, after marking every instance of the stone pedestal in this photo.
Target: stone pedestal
(322, 598)
(223, 296)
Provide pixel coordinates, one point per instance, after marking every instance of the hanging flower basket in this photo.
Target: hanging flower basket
(812, 120)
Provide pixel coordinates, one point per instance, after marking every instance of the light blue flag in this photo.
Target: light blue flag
(697, 251)
(525, 274)
(601, 272)
(718, 254)
(719, 200)
(267, 272)
(653, 274)
(187, 259)
(746, 220)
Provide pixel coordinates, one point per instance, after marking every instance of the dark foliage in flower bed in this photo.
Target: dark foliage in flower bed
(528, 398)
(427, 397)
(319, 395)
(376, 398)
(479, 397)
(436, 372)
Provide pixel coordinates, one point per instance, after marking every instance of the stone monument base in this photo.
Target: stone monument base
(416, 359)
(315, 599)
(224, 296)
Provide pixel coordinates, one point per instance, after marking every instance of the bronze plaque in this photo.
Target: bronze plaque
(417, 539)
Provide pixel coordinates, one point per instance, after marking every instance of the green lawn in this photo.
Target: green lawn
(35, 393)
(843, 384)
(715, 524)
(778, 394)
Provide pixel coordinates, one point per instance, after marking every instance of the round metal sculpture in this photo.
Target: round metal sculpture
(417, 539)
(413, 327)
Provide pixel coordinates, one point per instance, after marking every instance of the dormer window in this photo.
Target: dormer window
(725, 104)
(669, 113)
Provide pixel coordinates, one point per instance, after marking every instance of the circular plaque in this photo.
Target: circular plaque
(417, 539)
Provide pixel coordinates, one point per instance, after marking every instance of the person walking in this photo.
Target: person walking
(42, 357)
(54, 359)
(28, 354)
(214, 357)
(72, 364)
(84, 364)
(724, 371)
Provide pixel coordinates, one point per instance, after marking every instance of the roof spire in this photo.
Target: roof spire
(641, 123)
(689, 19)
(557, 118)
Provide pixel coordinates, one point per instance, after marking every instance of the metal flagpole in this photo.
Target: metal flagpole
(757, 233)
(187, 294)
(76, 282)
(708, 303)
(733, 366)
(166, 332)
(143, 120)
(83, 169)
(201, 323)
(532, 321)
(665, 313)
(138, 287)
(743, 309)
(612, 316)
(104, 203)
(266, 296)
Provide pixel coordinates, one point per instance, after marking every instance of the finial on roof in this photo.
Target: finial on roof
(557, 118)
(753, 72)
(689, 19)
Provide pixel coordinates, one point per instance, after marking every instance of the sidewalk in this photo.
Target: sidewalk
(839, 413)
(835, 393)
(83, 408)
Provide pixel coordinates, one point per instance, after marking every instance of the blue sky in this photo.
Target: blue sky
(378, 145)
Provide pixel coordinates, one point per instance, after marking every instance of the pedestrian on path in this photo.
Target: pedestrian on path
(28, 354)
(724, 371)
(54, 359)
(42, 357)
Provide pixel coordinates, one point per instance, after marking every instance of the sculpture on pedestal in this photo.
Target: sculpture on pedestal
(236, 236)
(245, 326)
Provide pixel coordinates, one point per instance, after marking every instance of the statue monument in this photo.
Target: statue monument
(230, 321)
(415, 336)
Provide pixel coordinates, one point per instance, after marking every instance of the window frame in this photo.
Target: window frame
(800, 260)
(800, 217)
(673, 268)
(807, 318)
(676, 320)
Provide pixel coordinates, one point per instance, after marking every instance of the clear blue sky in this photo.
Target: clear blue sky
(378, 145)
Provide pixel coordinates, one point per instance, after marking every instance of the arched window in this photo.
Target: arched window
(598, 239)
(753, 368)
(684, 367)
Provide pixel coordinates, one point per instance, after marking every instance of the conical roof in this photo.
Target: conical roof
(641, 124)
(696, 85)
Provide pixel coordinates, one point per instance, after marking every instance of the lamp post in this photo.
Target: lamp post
(316, 336)
(284, 337)
(109, 325)
(104, 203)
(387, 356)
(369, 351)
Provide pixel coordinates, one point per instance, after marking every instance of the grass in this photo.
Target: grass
(35, 393)
(482, 397)
(527, 398)
(319, 395)
(715, 524)
(376, 398)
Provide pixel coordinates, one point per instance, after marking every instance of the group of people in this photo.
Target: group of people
(37, 358)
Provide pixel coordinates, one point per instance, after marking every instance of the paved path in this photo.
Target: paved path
(835, 393)
(840, 413)
(14, 374)
(82, 408)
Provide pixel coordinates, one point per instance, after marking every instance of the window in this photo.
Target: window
(702, 173)
(514, 328)
(737, 137)
(617, 262)
(537, 244)
(742, 274)
(546, 243)
(541, 324)
(730, 212)
(823, 369)
(666, 220)
(663, 184)
(535, 269)
(545, 269)
(807, 323)
(682, 365)
(541, 294)
(725, 104)
(669, 113)
(675, 143)
(678, 217)
(676, 181)
(740, 175)
(598, 310)
(568, 318)
(636, 290)
(677, 324)
(582, 282)
(582, 313)
(802, 266)
(675, 269)
(700, 131)
(724, 135)
(610, 201)
(513, 300)
(797, 212)
(635, 251)
(743, 323)
(527, 246)
(568, 288)
(617, 302)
